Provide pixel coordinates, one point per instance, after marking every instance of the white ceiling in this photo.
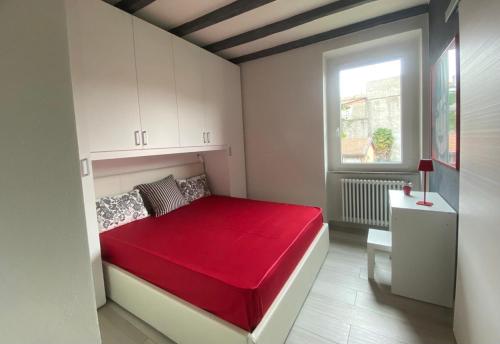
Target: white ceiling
(336, 20)
(172, 13)
(264, 15)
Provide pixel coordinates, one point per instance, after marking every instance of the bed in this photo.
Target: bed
(220, 270)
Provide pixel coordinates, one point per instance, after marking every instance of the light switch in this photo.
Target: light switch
(84, 167)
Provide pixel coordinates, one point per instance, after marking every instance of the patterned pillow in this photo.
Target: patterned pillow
(163, 196)
(194, 187)
(118, 210)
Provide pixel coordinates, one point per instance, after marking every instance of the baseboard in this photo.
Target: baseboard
(355, 227)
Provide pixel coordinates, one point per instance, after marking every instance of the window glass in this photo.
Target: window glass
(370, 113)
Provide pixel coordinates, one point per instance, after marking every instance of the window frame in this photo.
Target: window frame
(408, 50)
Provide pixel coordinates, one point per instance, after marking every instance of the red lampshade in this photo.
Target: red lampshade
(425, 165)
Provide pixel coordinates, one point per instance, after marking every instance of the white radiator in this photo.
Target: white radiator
(366, 201)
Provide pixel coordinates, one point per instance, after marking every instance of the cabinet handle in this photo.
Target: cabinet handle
(137, 134)
(145, 138)
(208, 137)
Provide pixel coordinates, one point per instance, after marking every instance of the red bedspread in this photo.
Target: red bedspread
(228, 256)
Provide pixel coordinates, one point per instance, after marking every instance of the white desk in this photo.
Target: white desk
(423, 247)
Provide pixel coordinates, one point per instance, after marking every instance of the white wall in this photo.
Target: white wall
(46, 293)
(284, 121)
(477, 304)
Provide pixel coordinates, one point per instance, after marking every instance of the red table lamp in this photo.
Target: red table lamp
(425, 166)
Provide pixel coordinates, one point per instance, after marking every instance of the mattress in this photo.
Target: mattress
(228, 256)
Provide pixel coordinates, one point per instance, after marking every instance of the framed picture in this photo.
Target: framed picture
(445, 106)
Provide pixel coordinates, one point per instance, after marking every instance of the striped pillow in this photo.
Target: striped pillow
(163, 196)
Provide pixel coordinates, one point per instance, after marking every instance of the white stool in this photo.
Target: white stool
(378, 240)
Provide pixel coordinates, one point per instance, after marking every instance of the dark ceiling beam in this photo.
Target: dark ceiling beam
(285, 24)
(132, 6)
(345, 30)
(226, 12)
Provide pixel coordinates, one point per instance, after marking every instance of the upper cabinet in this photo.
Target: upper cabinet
(201, 82)
(190, 93)
(215, 71)
(139, 88)
(156, 85)
(234, 131)
(103, 59)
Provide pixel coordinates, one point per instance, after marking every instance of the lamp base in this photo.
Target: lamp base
(426, 203)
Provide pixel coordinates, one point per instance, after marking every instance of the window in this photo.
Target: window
(373, 100)
(370, 113)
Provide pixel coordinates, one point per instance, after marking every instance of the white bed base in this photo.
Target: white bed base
(187, 324)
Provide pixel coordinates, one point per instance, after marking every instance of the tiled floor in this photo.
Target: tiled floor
(343, 307)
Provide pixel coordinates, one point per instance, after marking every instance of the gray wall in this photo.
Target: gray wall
(46, 291)
(444, 180)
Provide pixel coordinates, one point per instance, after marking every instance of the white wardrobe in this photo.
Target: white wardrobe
(138, 90)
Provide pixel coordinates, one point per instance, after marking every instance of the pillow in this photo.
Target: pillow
(114, 211)
(194, 187)
(164, 195)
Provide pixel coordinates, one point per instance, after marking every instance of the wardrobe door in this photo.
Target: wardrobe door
(189, 87)
(108, 87)
(234, 134)
(156, 81)
(216, 98)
